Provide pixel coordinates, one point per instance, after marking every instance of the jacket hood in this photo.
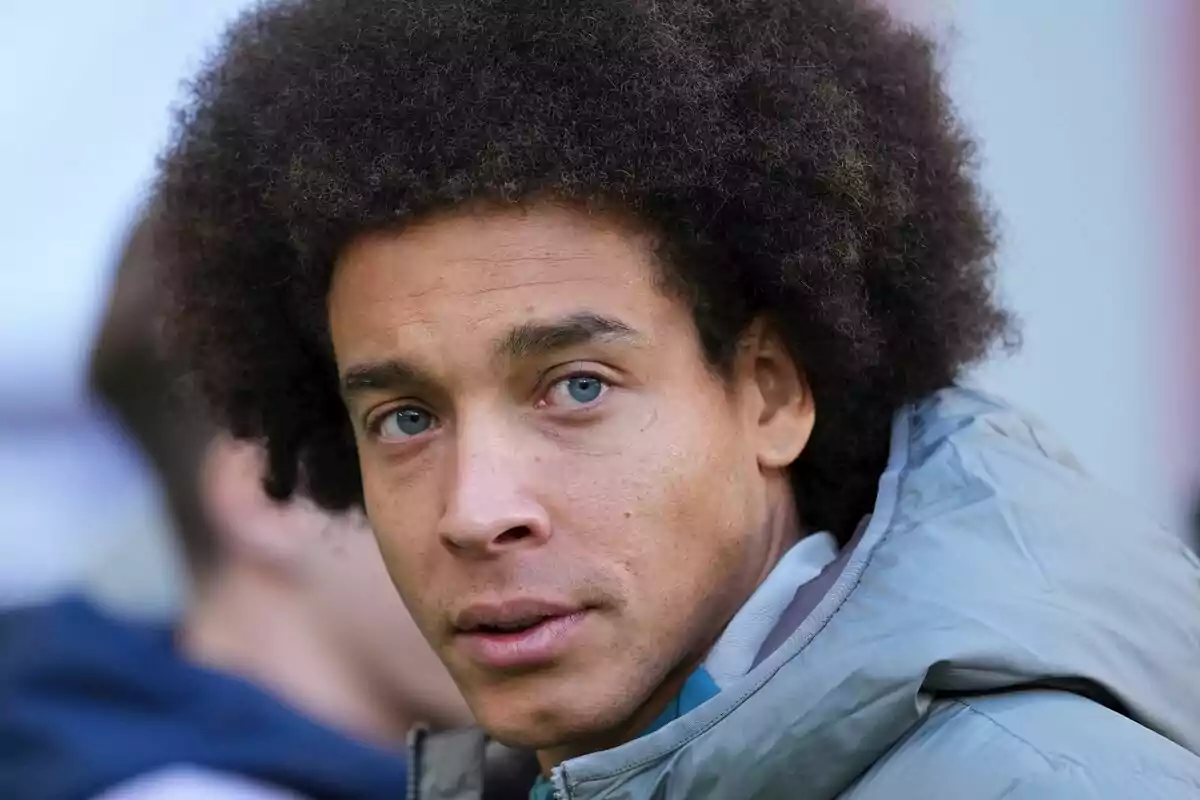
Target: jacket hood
(89, 702)
(991, 562)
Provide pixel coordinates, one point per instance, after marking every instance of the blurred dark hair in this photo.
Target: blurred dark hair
(131, 376)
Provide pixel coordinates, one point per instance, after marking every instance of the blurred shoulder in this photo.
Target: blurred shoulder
(184, 782)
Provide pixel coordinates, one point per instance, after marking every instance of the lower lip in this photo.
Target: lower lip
(532, 647)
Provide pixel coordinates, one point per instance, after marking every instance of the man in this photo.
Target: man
(295, 671)
(634, 328)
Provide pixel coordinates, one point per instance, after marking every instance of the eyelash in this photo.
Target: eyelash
(375, 424)
(605, 386)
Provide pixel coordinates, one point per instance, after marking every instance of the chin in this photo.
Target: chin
(522, 731)
(547, 724)
(521, 737)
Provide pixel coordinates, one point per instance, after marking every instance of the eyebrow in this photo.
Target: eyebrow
(523, 341)
(541, 338)
(380, 375)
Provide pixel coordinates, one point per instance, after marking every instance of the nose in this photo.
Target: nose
(491, 508)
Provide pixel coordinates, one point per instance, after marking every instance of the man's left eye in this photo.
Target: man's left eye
(579, 390)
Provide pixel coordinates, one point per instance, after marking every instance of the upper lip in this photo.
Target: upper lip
(510, 613)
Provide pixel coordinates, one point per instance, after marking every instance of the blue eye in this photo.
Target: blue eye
(404, 423)
(584, 388)
(581, 389)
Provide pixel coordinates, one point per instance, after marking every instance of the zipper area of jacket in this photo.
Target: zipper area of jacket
(560, 783)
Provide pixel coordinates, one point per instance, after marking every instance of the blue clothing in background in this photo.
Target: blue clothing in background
(88, 702)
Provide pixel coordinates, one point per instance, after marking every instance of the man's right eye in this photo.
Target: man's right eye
(402, 423)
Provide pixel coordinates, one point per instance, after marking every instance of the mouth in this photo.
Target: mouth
(520, 634)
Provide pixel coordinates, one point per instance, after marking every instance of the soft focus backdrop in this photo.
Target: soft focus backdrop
(1088, 117)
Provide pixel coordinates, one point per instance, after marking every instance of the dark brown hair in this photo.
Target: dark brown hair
(799, 157)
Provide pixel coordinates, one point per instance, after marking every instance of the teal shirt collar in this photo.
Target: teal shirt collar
(697, 689)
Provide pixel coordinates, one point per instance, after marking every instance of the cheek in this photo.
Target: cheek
(668, 500)
(405, 531)
(703, 509)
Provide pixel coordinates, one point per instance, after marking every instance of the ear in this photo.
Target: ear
(249, 525)
(780, 412)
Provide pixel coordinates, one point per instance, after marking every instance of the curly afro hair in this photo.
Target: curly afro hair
(798, 159)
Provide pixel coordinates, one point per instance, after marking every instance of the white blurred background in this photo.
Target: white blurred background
(1089, 124)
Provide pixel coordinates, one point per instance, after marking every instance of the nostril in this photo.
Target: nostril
(514, 535)
(492, 533)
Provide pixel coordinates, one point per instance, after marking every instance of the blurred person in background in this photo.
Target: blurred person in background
(295, 670)
(635, 327)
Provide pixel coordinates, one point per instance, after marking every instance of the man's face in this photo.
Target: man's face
(568, 498)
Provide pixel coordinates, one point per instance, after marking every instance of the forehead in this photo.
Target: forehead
(474, 275)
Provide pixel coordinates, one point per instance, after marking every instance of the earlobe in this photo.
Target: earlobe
(786, 409)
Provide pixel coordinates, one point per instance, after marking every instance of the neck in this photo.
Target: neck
(781, 530)
(253, 625)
